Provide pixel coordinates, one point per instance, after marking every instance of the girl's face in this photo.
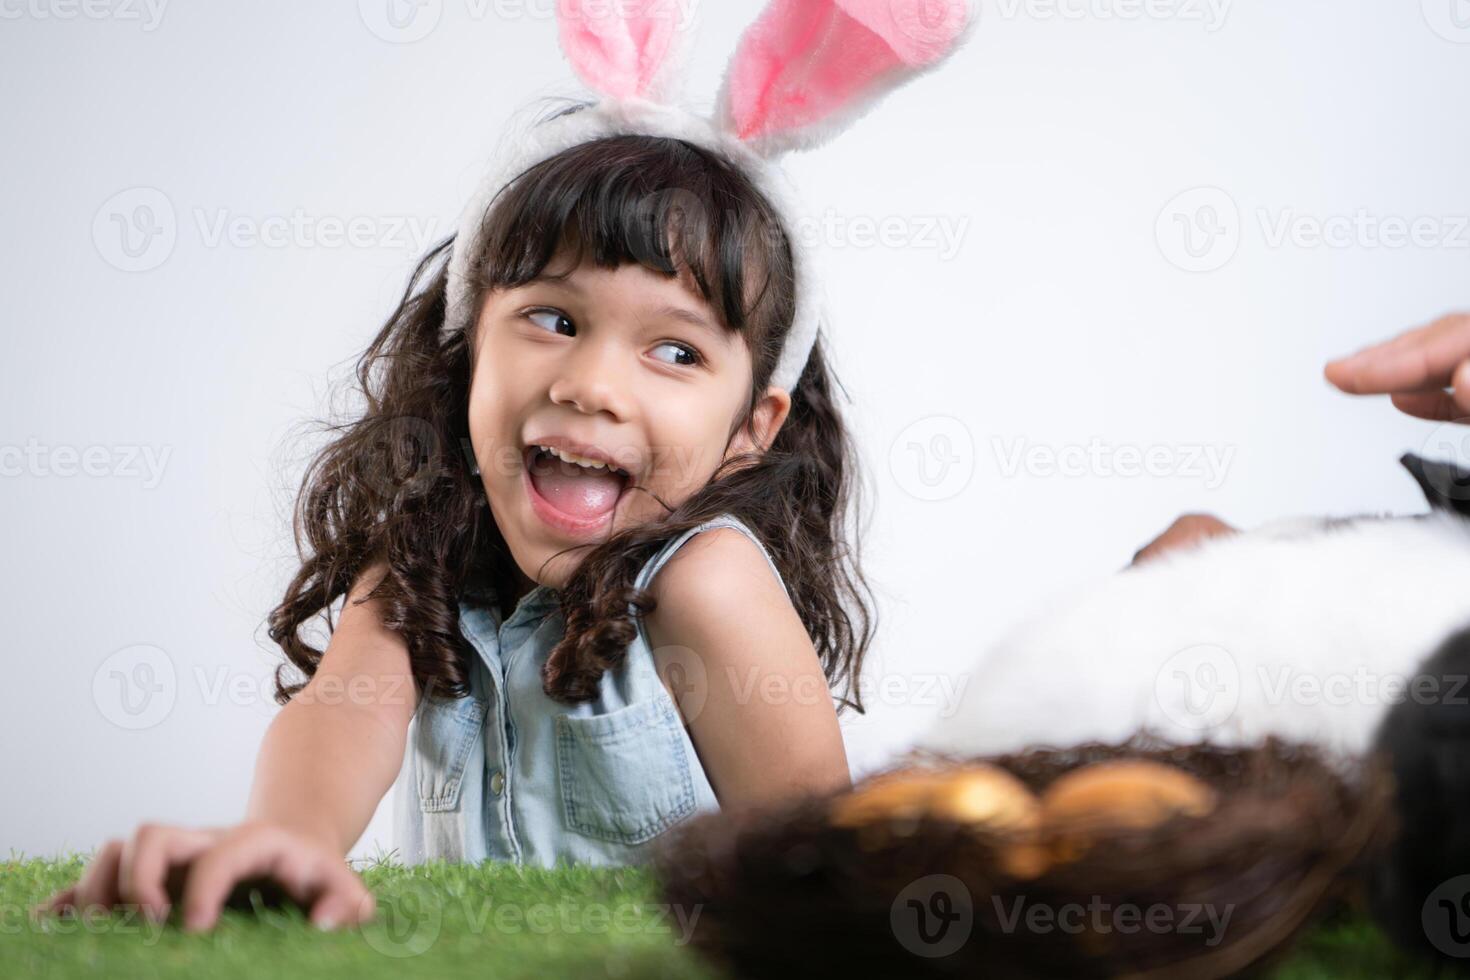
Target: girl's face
(624, 367)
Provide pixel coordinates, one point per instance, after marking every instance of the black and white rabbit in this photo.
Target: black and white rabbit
(1351, 633)
(1308, 628)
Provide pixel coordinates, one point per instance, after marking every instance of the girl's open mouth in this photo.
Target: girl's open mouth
(570, 497)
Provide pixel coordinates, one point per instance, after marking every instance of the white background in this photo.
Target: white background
(1058, 142)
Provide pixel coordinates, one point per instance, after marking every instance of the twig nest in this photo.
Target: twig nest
(1041, 863)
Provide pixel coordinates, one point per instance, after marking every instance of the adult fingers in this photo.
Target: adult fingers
(1438, 405)
(1419, 359)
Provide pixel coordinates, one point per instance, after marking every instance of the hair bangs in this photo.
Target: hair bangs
(672, 207)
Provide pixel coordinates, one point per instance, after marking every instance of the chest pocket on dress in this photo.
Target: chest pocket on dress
(624, 775)
(447, 730)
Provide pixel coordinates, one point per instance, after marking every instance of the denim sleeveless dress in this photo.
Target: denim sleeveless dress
(509, 774)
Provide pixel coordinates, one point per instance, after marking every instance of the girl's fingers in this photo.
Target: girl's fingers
(307, 872)
(98, 884)
(1414, 361)
(237, 857)
(146, 859)
(64, 899)
(344, 900)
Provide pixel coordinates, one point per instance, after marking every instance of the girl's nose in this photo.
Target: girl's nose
(594, 378)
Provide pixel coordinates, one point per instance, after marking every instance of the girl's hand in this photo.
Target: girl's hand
(213, 861)
(1185, 532)
(1414, 369)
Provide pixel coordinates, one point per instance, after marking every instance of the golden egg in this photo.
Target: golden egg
(991, 799)
(988, 795)
(900, 794)
(1105, 797)
(981, 796)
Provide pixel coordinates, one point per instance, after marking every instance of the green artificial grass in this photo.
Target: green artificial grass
(448, 920)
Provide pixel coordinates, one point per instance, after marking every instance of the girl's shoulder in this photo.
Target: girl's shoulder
(671, 547)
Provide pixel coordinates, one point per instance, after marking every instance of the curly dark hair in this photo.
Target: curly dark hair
(394, 485)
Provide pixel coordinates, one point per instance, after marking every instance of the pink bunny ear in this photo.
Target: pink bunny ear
(625, 48)
(806, 69)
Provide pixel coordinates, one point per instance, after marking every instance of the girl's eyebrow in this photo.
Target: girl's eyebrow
(563, 280)
(690, 317)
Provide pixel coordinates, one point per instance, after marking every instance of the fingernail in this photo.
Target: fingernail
(326, 923)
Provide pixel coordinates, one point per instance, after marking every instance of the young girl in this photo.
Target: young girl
(592, 526)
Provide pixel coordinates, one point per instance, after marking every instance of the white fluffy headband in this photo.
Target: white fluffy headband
(803, 71)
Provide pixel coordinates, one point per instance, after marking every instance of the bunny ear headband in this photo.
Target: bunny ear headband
(802, 72)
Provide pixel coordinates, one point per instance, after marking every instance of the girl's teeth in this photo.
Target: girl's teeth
(574, 458)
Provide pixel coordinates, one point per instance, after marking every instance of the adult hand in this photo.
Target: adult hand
(1414, 369)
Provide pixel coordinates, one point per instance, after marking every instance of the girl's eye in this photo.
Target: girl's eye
(691, 355)
(556, 318)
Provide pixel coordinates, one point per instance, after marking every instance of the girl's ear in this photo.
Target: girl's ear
(807, 69)
(765, 422)
(627, 48)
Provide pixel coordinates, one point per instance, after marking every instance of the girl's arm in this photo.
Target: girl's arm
(332, 753)
(747, 680)
(326, 761)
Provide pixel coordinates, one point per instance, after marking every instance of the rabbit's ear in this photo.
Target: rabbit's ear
(806, 69)
(627, 48)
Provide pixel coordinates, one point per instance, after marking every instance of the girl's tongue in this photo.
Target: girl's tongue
(575, 490)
